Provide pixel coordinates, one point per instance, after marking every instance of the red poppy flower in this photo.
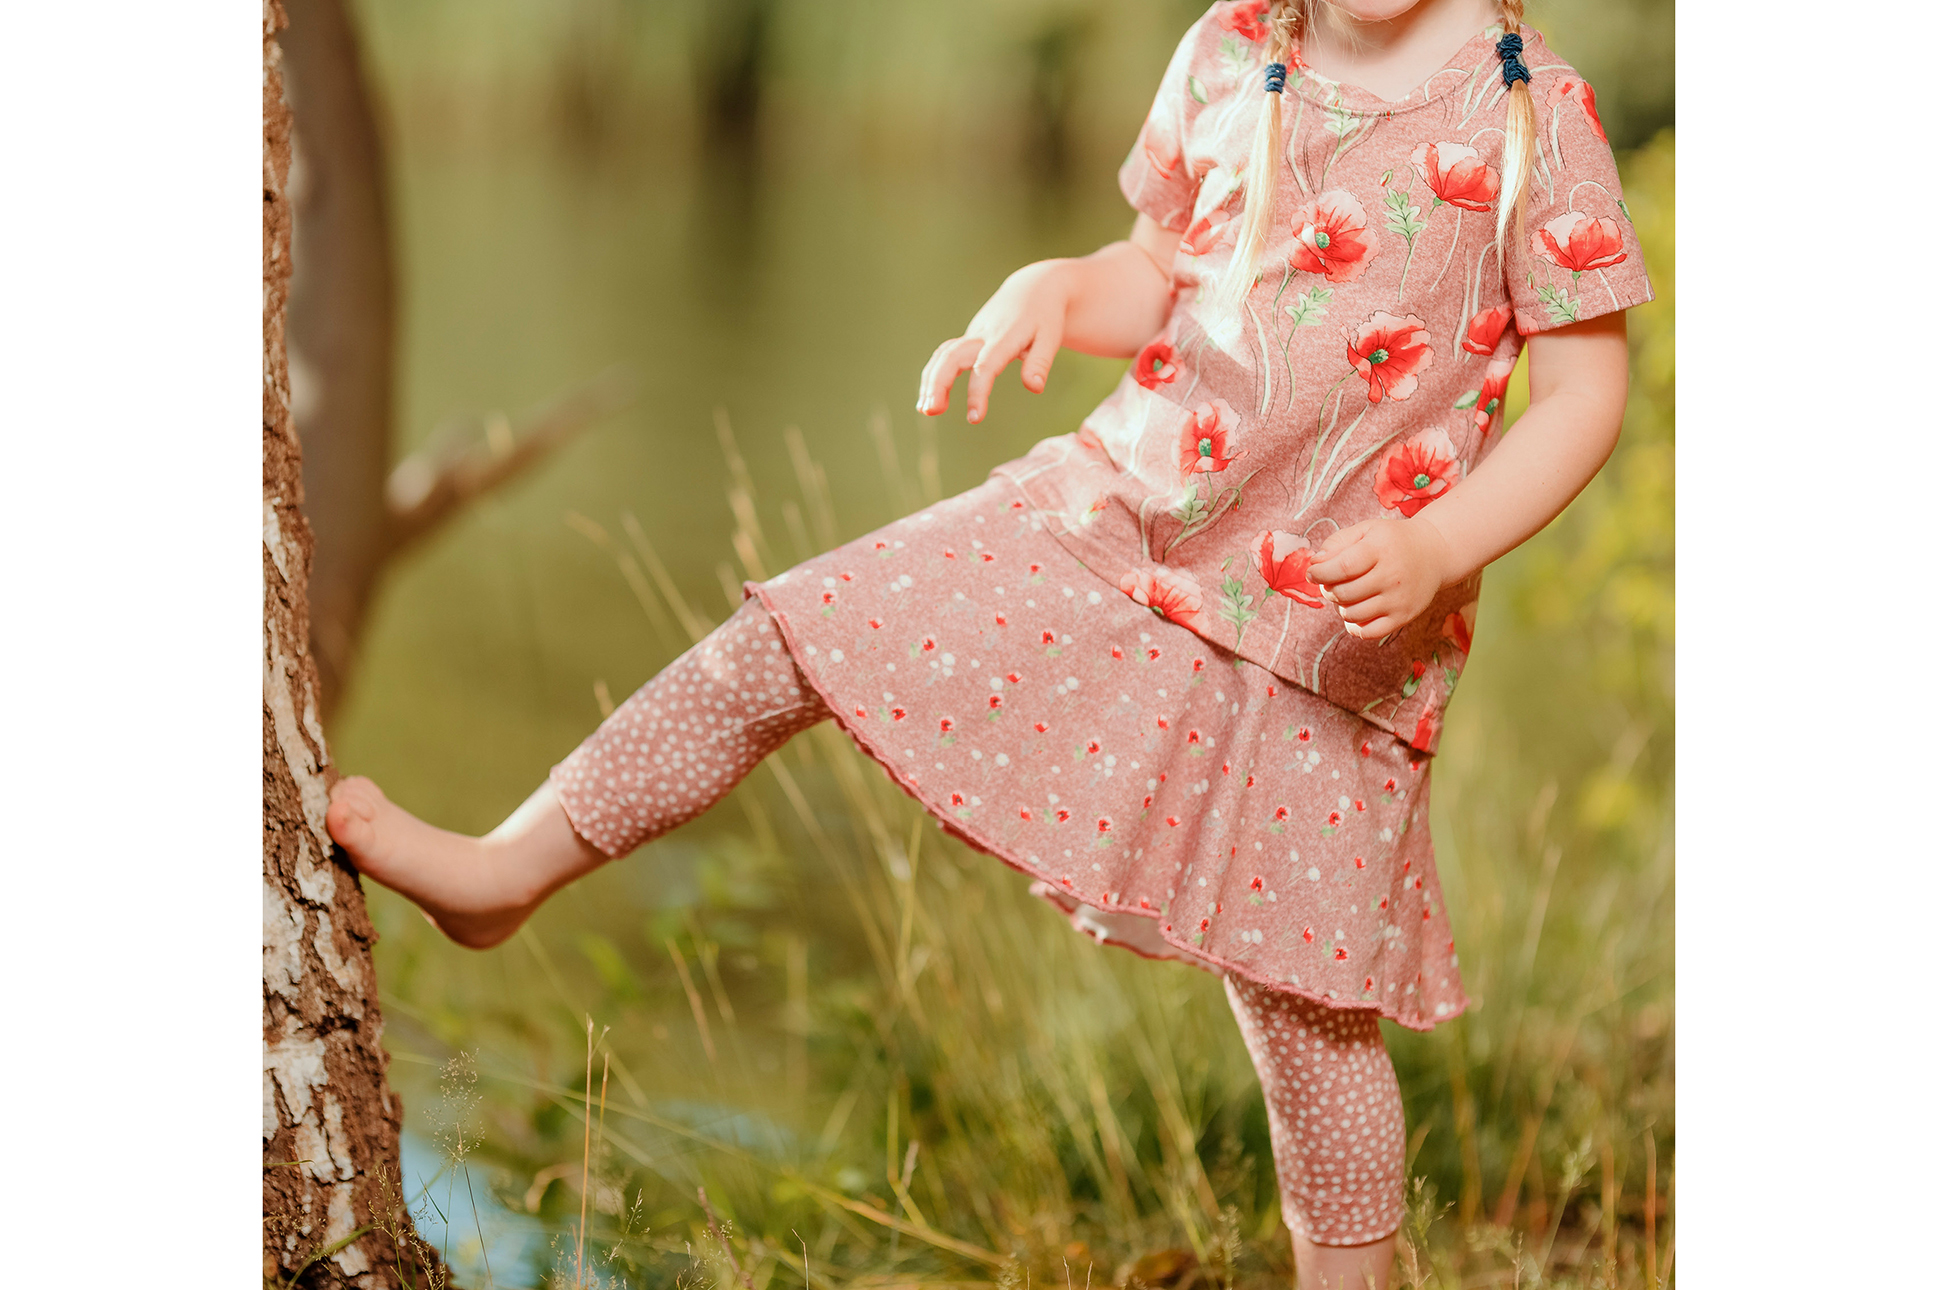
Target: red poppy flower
(1227, 768)
(1359, 862)
(1334, 820)
(1103, 824)
(1204, 444)
(875, 623)
(1025, 814)
(827, 597)
(1250, 780)
(1305, 735)
(947, 554)
(861, 712)
(1193, 737)
(1143, 902)
(1359, 804)
(1062, 815)
(995, 702)
(1197, 665)
(1493, 392)
(1423, 734)
(1093, 748)
(1392, 784)
(898, 713)
(948, 724)
(1204, 924)
(1457, 175)
(1115, 652)
(1339, 954)
(1308, 936)
(1330, 237)
(955, 799)
(1416, 472)
(1173, 821)
(1280, 814)
(1581, 243)
(1484, 329)
(1282, 559)
(1049, 638)
(1014, 678)
(1154, 653)
(928, 644)
(1390, 353)
(1156, 364)
(1460, 627)
(1037, 568)
(1147, 801)
(1040, 727)
(1171, 594)
(1247, 18)
(1001, 621)
(847, 577)
(988, 558)
(1258, 884)
(1207, 231)
(1573, 87)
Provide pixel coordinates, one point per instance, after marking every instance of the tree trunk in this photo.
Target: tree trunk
(333, 1213)
(342, 323)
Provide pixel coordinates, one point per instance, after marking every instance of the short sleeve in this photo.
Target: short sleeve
(1579, 258)
(1154, 178)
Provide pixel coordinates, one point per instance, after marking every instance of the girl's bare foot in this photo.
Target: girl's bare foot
(478, 891)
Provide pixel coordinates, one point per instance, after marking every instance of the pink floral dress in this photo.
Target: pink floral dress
(1108, 666)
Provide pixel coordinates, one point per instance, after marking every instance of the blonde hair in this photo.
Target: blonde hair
(1261, 180)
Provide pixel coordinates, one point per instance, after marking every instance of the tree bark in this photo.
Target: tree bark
(333, 1213)
(342, 327)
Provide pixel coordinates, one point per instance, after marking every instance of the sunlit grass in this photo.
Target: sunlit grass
(886, 1064)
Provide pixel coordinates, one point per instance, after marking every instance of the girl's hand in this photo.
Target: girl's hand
(1382, 574)
(1025, 316)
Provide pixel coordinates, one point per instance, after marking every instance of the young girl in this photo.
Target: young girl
(1186, 667)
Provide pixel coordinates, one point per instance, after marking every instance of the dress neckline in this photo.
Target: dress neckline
(1472, 59)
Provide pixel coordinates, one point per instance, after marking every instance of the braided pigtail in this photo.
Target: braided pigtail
(1517, 154)
(1268, 149)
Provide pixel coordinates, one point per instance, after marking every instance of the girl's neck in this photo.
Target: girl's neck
(1366, 43)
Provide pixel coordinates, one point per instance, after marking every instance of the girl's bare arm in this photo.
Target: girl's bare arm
(1108, 303)
(1384, 573)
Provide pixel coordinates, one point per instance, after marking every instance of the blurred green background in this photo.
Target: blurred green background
(775, 209)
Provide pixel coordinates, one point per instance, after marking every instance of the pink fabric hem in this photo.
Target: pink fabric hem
(973, 837)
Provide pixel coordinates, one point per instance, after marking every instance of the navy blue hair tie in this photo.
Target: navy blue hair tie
(1512, 68)
(1275, 78)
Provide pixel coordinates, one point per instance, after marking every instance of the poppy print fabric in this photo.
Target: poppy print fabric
(1179, 799)
(1364, 375)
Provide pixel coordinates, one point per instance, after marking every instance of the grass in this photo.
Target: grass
(818, 1043)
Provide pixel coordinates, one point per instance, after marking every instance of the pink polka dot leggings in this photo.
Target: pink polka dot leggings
(691, 733)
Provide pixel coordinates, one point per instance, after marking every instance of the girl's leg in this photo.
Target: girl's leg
(1338, 1132)
(668, 753)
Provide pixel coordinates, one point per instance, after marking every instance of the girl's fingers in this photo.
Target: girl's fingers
(1377, 629)
(1356, 590)
(989, 365)
(951, 357)
(1042, 353)
(1347, 562)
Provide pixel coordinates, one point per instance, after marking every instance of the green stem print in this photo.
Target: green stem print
(1404, 218)
(1196, 514)
(1452, 247)
(1235, 604)
(1325, 432)
(1305, 311)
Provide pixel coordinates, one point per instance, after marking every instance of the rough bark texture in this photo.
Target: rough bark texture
(329, 1120)
(342, 324)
